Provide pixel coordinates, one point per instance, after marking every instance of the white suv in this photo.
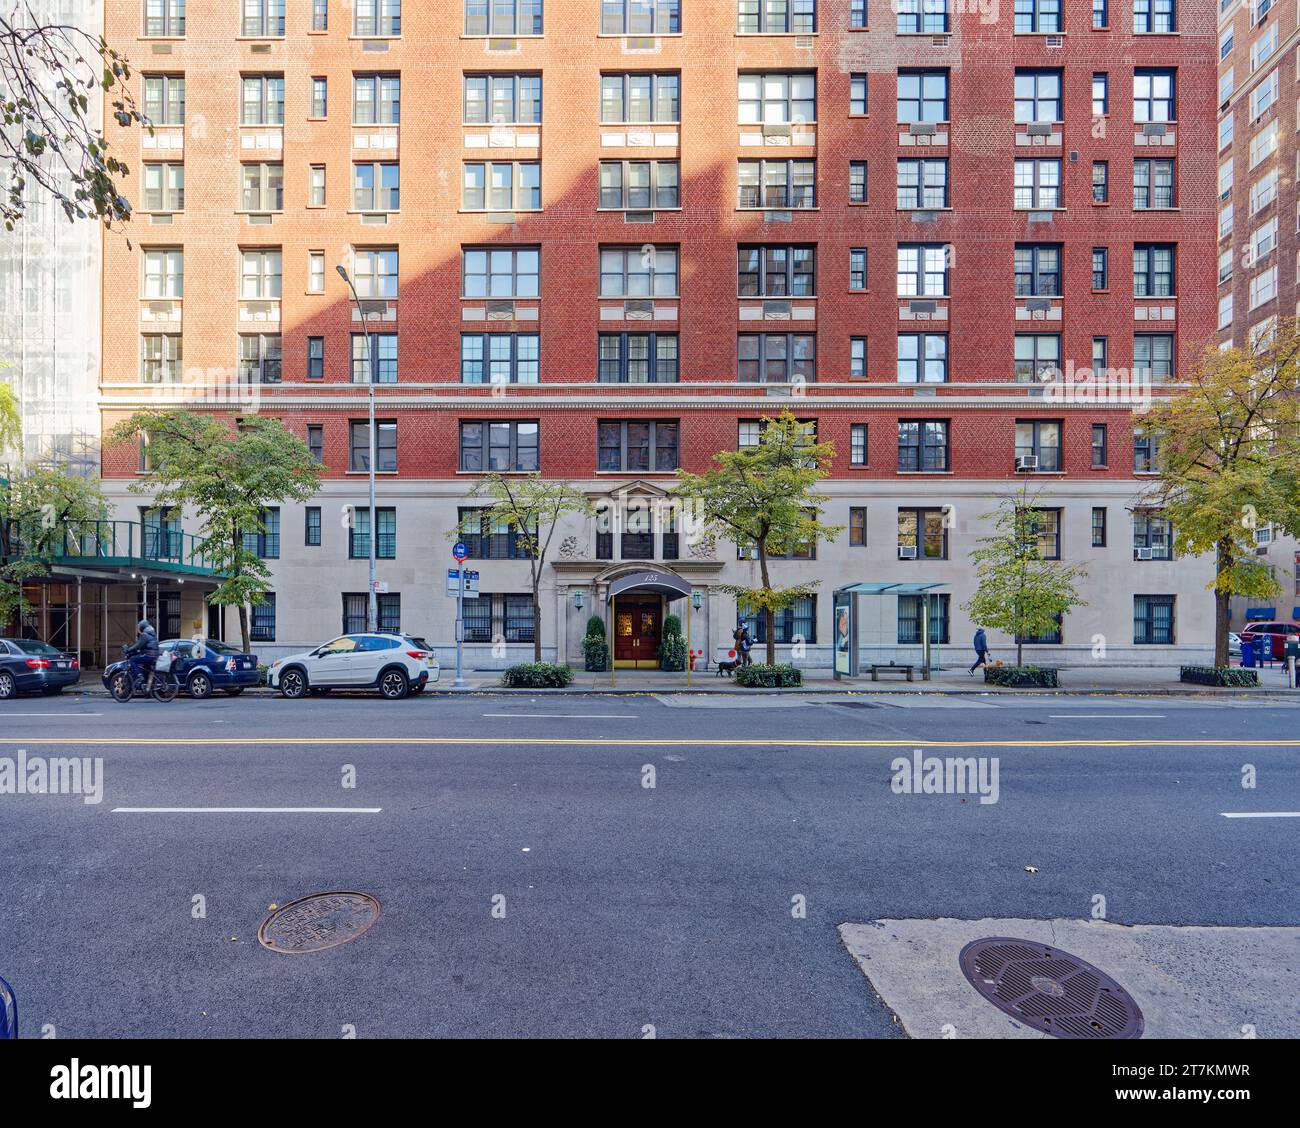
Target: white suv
(396, 665)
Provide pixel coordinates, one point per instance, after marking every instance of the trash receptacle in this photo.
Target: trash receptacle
(1247, 654)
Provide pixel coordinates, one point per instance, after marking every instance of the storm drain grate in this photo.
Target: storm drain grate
(318, 921)
(1050, 990)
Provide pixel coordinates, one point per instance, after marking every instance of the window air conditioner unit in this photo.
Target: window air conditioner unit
(1054, 41)
(1025, 462)
(1142, 554)
(906, 553)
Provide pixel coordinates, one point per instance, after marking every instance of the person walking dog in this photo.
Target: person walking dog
(981, 651)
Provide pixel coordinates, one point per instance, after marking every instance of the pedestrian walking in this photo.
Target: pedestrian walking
(981, 651)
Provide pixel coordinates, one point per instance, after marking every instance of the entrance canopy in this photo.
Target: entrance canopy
(888, 589)
(661, 583)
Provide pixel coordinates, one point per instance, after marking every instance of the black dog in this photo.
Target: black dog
(727, 668)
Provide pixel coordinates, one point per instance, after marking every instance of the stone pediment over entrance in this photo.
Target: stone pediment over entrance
(632, 491)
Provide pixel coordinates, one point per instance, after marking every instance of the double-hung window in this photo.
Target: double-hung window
(923, 270)
(262, 187)
(640, 17)
(776, 17)
(1099, 445)
(640, 185)
(1038, 185)
(374, 272)
(1154, 17)
(262, 19)
(164, 272)
(502, 99)
(164, 19)
(500, 272)
(794, 624)
(1153, 270)
(499, 358)
(259, 358)
(385, 447)
(639, 272)
(857, 444)
(160, 358)
(378, 17)
(1100, 94)
(638, 358)
(261, 99)
(1153, 357)
(374, 353)
(489, 537)
(1038, 96)
(922, 445)
(924, 532)
(776, 358)
(1038, 270)
(1153, 536)
(507, 448)
(922, 17)
(376, 99)
(1153, 184)
(922, 358)
(265, 540)
(777, 98)
(784, 184)
(1146, 452)
(777, 270)
(1099, 526)
(503, 17)
(1041, 16)
(385, 538)
(376, 186)
(923, 95)
(1038, 357)
(640, 98)
(637, 446)
(164, 99)
(1041, 439)
(1153, 95)
(922, 184)
(502, 186)
(164, 187)
(260, 274)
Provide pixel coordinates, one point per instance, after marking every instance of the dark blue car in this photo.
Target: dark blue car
(28, 666)
(202, 666)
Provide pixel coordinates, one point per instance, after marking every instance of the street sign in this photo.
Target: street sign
(453, 583)
(460, 551)
(381, 587)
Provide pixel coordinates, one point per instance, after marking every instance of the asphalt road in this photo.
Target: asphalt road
(625, 906)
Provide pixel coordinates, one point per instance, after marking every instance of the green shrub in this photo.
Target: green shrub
(595, 654)
(672, 647)
(537, 675)
(1021, 677)
(1229, 676)
(762, 676)
(595, 627)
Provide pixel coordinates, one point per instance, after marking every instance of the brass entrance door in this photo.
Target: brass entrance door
(636, 633)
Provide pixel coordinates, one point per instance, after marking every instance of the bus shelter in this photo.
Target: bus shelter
(851, 625)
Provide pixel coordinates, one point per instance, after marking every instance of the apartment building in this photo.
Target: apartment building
(604, 240)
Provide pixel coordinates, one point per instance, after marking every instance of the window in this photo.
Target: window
(776, 270)
(857, 526)
(857, 444)
(857, 15)
(923, 95)
(320, 15)
(1038, 96)
(1153, 620)
(1153, 96)
(502, 99)
(1038, 270)
(857, 358)
(376, 99)
(1051, 637)
(1262, 146)
(1100, 182)
(777, 17)
(923, 270)
(160, 358)
(1153, 184)
(1145, 451)
(490, 537)
(638, 272)
(311, 534)
(922, 358)
(1038, 16)
(503, 17)
(374, 271)
(260, 274)
(922, 184)
(261, 99)
(1153, 270)
(778, 98)
(478, 618)
(1100, 94)
(379, 17)
(500, 272)
(1262, 193)
(1040, 439)
(385, 447)
(1038, 185)
(261, 627)
(776, 358)
(858, 268)
(315, 358)
(1153, 16)
(640, 185)
(164, 18)
(316, 442)
(1047, 533)
(265, 540)
(1263, 287)
(1263, 47)
(857, 182)
(263, 18)
(1038, 358)
(1227, 84)
(1100, 15)
(797, 623)
(922, 534)
(637, 446)
(374, 357)
(1225, 311)
(1099, 444)
(503, 447)
(1100, 269)
(262, 187)
(164, 99)
(858, 94)
(1153, 536)
(316, 186)
(259, 358)
(164, 187)
(499, 358)
(777, 184)
(637, 358)
(164, 272)
(359, 534)
(502, 186)
(917, 17)
(640, 17)
(910, 608)
(640, 98)
(1226, 131)
(319, 98)
(922, 445)
(356, 609)
(1100, 356)
(376, 186)
(1099, 527)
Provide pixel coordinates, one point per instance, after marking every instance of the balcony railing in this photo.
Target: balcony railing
(132, 543)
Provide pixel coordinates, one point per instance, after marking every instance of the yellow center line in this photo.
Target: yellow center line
(666, 742)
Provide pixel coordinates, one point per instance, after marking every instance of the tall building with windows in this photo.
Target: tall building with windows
(606, 240)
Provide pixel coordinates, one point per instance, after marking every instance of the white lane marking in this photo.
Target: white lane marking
(1107, 717)
(1261, 814)
(565, 716)
(247, 810)
(53, 714)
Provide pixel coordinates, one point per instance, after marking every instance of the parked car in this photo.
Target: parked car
(30, 666)
(1275, 633)
(396, 665)
(1234, 644)
(205, 665)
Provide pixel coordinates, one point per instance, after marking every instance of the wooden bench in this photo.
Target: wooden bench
(891, 668)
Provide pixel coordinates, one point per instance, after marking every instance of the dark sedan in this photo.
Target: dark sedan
(202, 666)
(28, 666)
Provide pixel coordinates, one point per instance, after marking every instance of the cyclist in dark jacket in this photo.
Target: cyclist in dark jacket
(144, 652)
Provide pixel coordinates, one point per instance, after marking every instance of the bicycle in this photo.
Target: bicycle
(128, 682)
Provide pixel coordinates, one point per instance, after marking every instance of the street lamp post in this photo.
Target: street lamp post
(372, 597)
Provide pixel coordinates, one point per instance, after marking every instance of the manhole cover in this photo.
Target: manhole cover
(317, 922)
(1050, 990)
